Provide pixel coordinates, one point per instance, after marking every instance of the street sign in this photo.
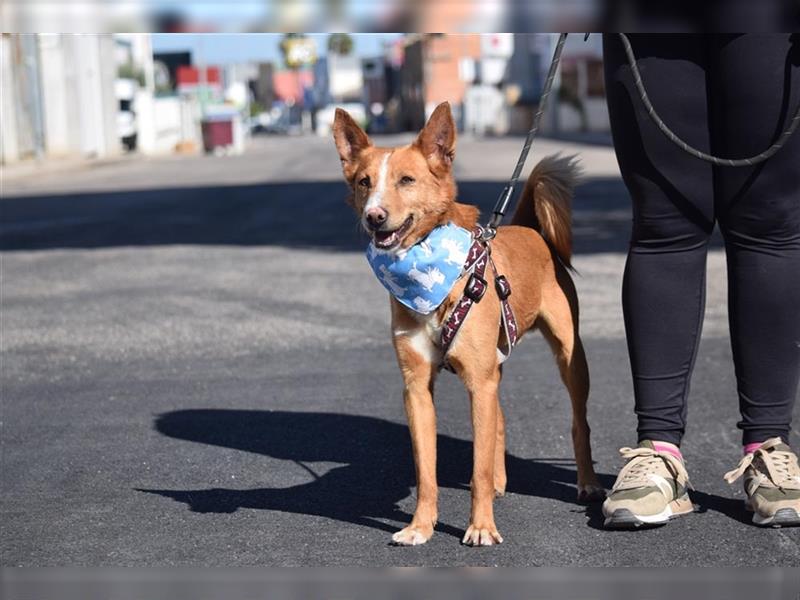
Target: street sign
(189, 79)
(300, 52)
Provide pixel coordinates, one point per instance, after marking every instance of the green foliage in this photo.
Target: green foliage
(256, 108)
(340, 43)
(129, 71)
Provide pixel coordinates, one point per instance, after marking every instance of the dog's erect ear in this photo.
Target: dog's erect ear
(350, 141)
(437, 140)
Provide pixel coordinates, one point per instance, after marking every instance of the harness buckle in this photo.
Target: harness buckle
(487, 233)
(502, 286)
(475, 288)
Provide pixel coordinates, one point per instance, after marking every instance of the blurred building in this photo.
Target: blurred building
(430, 75)
(581, 89)
(345, 77)
(168, 64)
(89, 95)
(411, 93)
(488, 106)
(58, 96)
(493, 82)
(262, 87)
(377, 86)
(166, 120)
(289, 85)
(321, 86)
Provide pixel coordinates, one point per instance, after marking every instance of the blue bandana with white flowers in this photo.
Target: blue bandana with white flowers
(421, 277)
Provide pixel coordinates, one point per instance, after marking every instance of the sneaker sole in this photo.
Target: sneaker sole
(622, 518)
(785, 517)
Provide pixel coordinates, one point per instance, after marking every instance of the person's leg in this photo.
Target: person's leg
(754, 91)
(664, 283)
(663, 293)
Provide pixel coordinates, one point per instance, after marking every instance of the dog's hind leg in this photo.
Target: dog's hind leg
(558, 321)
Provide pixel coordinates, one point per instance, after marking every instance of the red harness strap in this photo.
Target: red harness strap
(478, 257)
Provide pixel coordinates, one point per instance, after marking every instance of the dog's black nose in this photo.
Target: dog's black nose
(376, 217)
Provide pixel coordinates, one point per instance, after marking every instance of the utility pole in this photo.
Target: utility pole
(202, 79)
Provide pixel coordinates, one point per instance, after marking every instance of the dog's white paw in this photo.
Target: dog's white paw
(591, 493)
(410, 536)
(482, 536)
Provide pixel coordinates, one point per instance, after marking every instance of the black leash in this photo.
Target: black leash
(490, 230)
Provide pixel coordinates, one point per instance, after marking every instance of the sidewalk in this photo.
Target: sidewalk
(33, 167)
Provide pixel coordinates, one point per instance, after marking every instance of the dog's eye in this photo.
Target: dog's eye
(406, 180)
(364, 182)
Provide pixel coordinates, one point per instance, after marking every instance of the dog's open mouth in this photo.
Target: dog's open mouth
(386, 240)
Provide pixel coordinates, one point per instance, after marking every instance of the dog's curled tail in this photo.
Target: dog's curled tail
(546, 202)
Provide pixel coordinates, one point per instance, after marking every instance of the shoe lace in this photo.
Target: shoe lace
(644, 462)
(782, 469)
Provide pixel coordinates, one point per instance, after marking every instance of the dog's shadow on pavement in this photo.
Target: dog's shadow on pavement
(376, 469)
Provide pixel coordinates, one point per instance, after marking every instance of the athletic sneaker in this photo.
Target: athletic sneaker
(650, 489)
(772, 484)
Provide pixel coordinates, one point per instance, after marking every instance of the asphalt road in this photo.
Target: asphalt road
(197, 371)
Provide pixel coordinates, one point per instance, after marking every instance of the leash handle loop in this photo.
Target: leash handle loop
(672, 136)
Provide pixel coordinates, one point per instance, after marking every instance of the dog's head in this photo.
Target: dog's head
(400, 194)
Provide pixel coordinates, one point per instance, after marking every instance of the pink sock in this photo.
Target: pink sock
(670, 448)
(749, 448)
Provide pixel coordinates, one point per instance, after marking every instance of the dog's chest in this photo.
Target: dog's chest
(423, 335)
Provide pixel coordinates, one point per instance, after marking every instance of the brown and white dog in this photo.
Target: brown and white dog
(401, 194)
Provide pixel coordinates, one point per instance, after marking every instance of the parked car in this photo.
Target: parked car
(280, 119)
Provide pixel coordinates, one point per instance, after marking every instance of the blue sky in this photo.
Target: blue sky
(224, 48)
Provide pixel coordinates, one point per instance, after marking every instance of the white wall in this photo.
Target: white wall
(9, 105)
(345, 80)
(89, 95)
(485, 110)
(79, 108)
(163, 122)
(110, 105)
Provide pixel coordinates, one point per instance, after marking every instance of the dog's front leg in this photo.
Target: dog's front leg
(418, 375)
(422, 423)
(483, 392)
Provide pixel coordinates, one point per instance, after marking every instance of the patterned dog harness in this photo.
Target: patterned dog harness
(478, 257)
(422, 277)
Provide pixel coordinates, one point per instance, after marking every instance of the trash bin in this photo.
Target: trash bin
(217, 133)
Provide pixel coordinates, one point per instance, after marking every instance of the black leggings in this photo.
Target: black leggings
(731, 96)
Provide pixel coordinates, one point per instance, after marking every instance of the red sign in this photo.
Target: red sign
(188, 78)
